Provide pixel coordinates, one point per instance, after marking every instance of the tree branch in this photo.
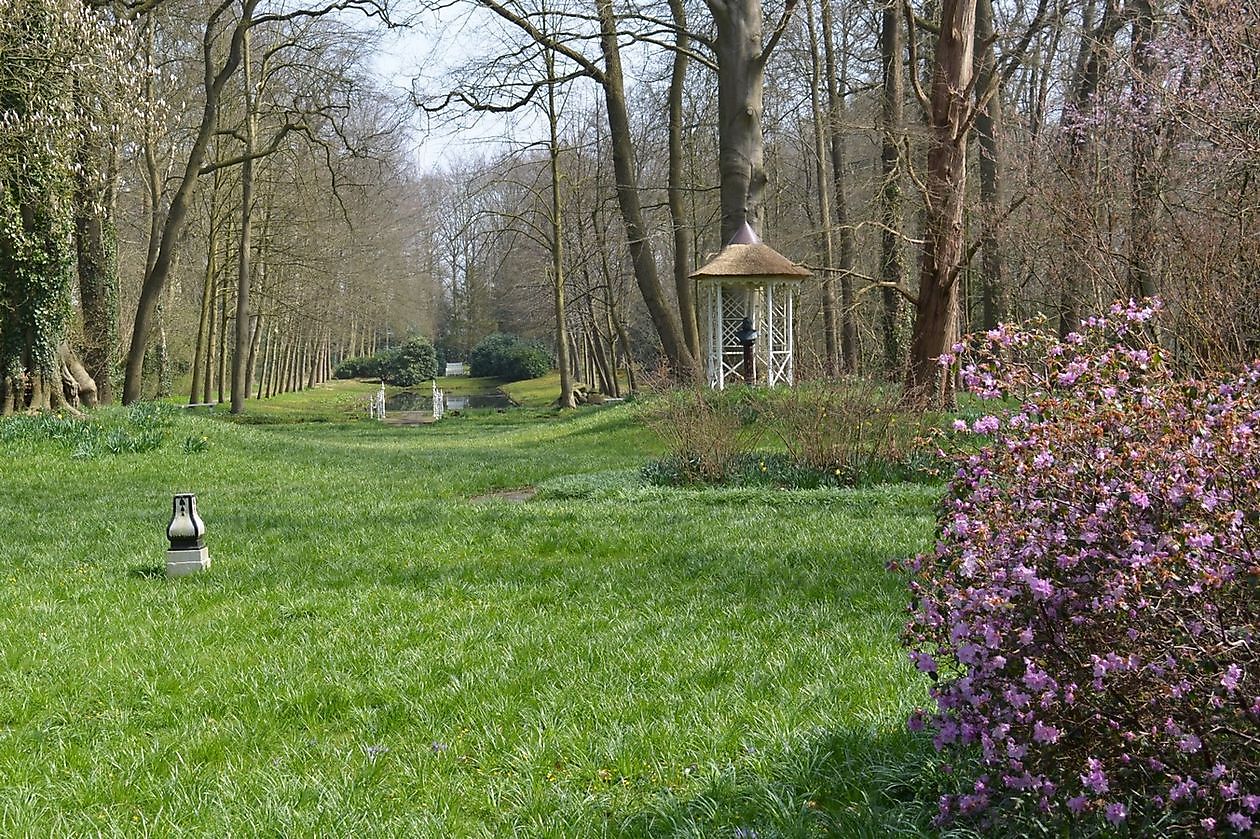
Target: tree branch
(912, 45)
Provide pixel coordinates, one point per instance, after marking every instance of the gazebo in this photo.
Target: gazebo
(747, 293)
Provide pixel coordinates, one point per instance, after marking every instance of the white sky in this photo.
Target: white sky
(428, 52)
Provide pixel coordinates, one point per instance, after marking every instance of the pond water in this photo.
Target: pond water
(412, 401)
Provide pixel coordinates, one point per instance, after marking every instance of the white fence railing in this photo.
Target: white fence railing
(376, 408)
(439, 401)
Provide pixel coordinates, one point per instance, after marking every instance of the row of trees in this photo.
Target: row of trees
(225, 193)
(222, 183)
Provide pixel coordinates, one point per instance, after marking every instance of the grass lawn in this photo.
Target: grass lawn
(375, 653)
(535, 393)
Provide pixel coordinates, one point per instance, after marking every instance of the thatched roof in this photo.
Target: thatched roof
(745, 257)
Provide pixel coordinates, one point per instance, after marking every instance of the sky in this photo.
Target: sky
(421, 58)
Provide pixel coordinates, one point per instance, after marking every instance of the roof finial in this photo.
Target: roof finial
(745, 236)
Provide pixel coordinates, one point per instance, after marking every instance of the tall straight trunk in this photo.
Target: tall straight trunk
(936, 316)
(207, 381)
(243, 343)
(995, 302)
(96, 243)
(157, 274)
(205, 324)
(295, 369)
(312, 360)
(252, 363)
(684, 286)
(821, 124)
(282, 362)
(642, 256)
(281, 384)
(557, 239)
(277, 360)
(266, 360)
(892, 117)
(269, 362)
(1143, 176)
(599, 351)
(616, 327)
(741, 59)
(837, 84)
(223, 341)
(290, 370)
(613, 360)
(162, 355)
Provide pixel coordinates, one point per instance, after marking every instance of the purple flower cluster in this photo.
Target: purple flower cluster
(1089, 614)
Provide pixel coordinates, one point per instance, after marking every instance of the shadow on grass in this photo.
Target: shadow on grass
(841, 784)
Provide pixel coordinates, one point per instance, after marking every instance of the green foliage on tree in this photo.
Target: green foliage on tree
(36, 202)
(411, 364)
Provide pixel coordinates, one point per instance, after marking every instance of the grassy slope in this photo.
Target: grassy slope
(535, 393)
(374, 655)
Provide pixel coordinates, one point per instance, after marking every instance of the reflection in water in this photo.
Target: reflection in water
(411, 401)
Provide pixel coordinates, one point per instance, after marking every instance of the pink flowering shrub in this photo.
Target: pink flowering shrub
(1090, 613)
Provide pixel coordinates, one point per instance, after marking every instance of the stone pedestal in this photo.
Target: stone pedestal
(180, 563)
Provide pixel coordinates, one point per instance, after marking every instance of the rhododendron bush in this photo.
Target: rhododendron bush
(1089, 614)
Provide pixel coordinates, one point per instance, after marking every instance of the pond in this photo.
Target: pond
(412, 401)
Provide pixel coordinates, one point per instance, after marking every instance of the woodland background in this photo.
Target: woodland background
(223, 194)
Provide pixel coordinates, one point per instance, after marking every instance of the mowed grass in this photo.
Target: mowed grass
(375, 653)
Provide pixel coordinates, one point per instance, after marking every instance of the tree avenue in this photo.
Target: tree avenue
(222, 196)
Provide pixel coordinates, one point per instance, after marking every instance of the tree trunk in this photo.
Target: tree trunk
(97, 246)
(995, 302)
(244, 345)
(822, 124)
(1094, 45)
(162, 355)
(223, 340)
(837, 84)
(684, 286)
(205, 324)
(741, 59)
(557, 239)
(642, 257)
(265, 363)
(892, 107)
(1144, 177)
(943, 251)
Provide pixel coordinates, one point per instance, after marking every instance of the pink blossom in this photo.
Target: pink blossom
(1116, 813)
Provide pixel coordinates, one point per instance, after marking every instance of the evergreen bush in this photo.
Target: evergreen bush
(509, 358)
(414, 362)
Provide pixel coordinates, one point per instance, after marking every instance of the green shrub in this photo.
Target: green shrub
(847, 428)
(509, 358)
(705, 432)
(526, 361)
(360, 367)
(834, 434)
(411, 364)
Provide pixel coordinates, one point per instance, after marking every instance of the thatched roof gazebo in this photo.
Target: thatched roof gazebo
(747, 295)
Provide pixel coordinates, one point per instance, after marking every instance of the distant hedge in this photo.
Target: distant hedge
(412, 363)
(508, 357)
